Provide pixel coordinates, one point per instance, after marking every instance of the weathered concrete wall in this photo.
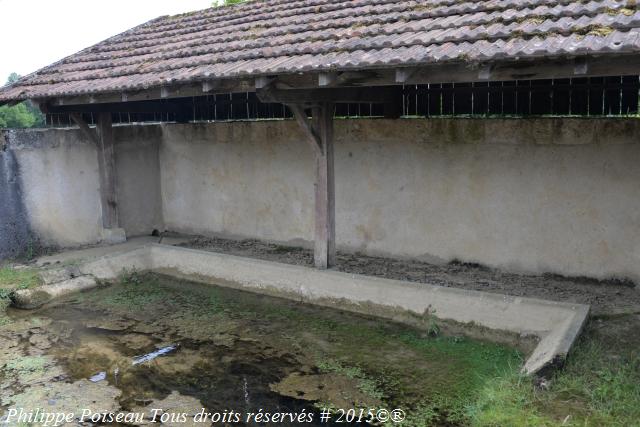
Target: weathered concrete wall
(238, 179)
(138, 178)
(59, 175)
(60, 180)
(549, 195)
(557, 195)
(14, 225)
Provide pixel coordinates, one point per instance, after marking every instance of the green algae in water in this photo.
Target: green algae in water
(246, 350)
(433, 378)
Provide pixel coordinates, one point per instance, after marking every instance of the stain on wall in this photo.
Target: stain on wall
(14, 226)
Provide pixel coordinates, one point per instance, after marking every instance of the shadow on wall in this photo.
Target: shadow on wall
(15, 237)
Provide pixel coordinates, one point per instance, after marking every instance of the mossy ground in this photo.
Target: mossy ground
(434, 379)
(289, 349)
(437, 380)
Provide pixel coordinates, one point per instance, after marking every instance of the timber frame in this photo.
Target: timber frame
(315, 93)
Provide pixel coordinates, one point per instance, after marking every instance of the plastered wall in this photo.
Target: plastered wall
(547, 195)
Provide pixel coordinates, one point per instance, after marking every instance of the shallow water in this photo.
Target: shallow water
(236, 351)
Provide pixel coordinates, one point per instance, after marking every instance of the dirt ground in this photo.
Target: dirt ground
(607, 298)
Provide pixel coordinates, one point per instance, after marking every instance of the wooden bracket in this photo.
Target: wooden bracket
(208, 86)
(404, 74)
(327, 79)
(84, 127)
(484, 73)
(264, 81)
(307, 128)
(580, 67)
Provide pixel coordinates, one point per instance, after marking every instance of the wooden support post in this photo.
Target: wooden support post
(106, 162)
(325, 226)
(319, 134)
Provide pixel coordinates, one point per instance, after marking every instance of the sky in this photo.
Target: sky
(36, 33)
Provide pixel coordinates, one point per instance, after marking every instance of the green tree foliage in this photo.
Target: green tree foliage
(13, 77)
(23, 115)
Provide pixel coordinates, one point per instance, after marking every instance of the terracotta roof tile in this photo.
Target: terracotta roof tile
(283, 36)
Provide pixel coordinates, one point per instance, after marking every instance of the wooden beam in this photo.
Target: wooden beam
(484, 72)
(208, 86)
(327, 79)
(263, 81)
(332, 95)
(107, 168)
(84, 127)
(403, 74)
(310, 134)
(155, 106)
(319, 133)
(325, 229)
(580, 67)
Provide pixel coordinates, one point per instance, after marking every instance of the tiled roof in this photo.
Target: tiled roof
(285, 36)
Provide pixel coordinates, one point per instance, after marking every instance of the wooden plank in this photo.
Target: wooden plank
(107, 168)
(84, 127)
(325, 231)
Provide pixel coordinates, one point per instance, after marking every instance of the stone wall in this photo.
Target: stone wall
(538, 195)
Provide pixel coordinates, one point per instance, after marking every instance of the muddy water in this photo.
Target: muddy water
(235, 352)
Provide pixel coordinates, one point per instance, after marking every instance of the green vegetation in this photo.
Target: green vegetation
(26, 365)
(10, 280)
(593, 389)
(23, 115)
(431, 377)
(436, 379)
(367, 385)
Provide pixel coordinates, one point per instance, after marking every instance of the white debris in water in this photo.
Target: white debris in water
(147, 357)
(245, 388)
(100, 376)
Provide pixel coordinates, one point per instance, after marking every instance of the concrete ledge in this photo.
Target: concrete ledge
(556, 324)
(36, 297)
(113, 236)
